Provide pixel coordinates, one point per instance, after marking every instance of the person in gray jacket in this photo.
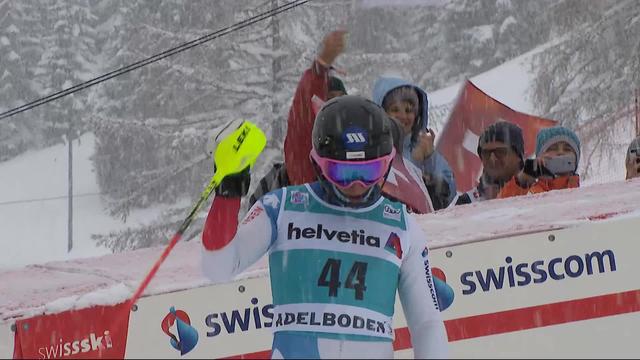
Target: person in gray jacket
(408, 105)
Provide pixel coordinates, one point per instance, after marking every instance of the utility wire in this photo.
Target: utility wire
(178, 49)
(47, 199)
(134, 66)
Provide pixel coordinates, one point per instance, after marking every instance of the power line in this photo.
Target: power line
(136, 192)
(178, 49)
(134, 66)
(47, 198)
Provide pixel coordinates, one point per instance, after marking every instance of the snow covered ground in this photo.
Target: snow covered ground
(33, 206)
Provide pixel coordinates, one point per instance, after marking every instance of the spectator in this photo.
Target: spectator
(408, 105)
(336, 88)
(555, 166)
(501, 150)
(315, 81)
(276, 178)
(633, 159)
(297, 145)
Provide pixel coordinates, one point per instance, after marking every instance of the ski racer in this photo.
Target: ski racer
(338, 249)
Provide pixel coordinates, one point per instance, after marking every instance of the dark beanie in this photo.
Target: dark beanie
(336, 84)
(634, 146)
(504, 132)
(553, 135)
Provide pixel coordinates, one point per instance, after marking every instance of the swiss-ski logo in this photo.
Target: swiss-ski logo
(355, 138)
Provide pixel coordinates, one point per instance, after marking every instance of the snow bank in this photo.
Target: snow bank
(534, 213)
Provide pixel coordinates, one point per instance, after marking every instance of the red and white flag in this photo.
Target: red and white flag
(473, 112)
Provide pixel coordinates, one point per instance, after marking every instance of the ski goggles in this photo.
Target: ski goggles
(344, 173)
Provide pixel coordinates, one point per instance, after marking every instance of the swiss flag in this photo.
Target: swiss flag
(405, 184)
(473, 112)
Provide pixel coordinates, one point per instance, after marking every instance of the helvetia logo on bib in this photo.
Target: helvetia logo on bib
(357, 237)
(393, 245)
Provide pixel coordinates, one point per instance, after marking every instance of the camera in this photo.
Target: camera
(561, 164)
(532, 168)
(552, 166)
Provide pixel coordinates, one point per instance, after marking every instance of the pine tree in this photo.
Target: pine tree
(67, 60)
(163, 126)
(19, 47)
(153, 113)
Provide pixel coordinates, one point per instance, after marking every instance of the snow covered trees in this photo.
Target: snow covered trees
(19, 54)
(587, 79)
(152, 124)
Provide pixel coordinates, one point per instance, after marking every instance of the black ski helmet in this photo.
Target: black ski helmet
(351, 128)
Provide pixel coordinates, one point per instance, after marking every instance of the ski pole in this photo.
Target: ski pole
(233, 154)
(174, 240)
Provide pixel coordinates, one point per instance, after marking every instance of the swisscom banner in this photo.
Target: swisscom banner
(551, 294)
(6, 341)
(209, 322)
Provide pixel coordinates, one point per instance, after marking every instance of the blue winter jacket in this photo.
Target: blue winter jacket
(434, 165)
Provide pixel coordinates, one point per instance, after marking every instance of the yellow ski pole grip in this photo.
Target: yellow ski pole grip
(238, 150)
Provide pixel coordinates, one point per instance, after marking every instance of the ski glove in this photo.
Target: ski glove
(235, 185)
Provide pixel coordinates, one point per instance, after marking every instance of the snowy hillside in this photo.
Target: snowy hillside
(33, 206)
